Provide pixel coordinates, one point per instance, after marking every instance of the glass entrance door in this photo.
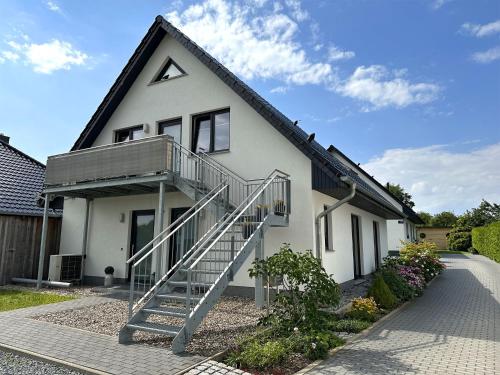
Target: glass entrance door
(143, 230)
(183, 239)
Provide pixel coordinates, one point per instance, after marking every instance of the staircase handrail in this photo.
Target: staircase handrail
(238, 212)
(196, 207)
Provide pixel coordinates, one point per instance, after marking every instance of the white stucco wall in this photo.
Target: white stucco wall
(400, 230)
(339, 260)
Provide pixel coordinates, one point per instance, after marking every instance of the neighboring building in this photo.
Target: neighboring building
(403, 230)
(182, 149)
(21, 182)
(438, 235)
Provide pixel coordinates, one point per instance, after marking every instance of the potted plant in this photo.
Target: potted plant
(108, 278)
(261, 212)
(279, 207)
(248, 228)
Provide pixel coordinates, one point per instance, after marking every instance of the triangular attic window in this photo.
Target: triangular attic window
(169, 70)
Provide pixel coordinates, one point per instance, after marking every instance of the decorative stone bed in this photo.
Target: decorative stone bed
(230, 318)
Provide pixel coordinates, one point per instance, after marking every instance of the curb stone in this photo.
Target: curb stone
(52, 360)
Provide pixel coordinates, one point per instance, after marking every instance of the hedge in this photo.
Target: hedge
(486, 240)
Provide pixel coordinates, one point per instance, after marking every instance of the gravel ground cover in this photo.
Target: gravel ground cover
(229, 319)
(13, 364)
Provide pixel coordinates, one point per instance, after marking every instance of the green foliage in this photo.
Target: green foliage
(397, 284)
(307, 288)
(486, 240)
(426, 217)
(460, 239)
(485, 213)
(382, 294)
(363, 309)
(349, 325)
(258, 355)
(17, 299)
(444, 219)
(399, 192)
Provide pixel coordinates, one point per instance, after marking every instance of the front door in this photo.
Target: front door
(143, 231)
(182, 240)
(356, 246)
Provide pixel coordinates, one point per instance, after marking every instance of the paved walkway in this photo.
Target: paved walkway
(92, 350)
(454, 328)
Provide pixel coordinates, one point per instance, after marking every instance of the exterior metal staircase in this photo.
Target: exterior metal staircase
(196, 257)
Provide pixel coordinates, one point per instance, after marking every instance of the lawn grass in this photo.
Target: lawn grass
(444, 252)
(17, 299)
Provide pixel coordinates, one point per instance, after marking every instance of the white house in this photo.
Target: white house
(184, 175)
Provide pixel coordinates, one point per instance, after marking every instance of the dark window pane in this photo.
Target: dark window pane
(129, 134)
(122, 136)
(202, 135)
(221, 128)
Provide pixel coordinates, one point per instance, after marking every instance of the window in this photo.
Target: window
(211, 132)
(170, 70)
(171, 128)
(327, 230)
(129, 134)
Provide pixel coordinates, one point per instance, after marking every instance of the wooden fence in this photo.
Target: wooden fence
(20, 246)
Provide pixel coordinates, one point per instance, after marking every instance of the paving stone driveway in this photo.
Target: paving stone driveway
(454, 328)
(92, 350)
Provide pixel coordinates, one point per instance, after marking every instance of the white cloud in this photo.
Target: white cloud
(336, 54)
(46, 57)
(280, 89)
(381, 88)
(439, 179)
(297, 12)
(487, 56)
(253, 45)
(437, 4)
(481, 30)
(53, 6)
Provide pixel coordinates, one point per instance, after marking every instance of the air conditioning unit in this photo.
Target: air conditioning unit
(65, 267)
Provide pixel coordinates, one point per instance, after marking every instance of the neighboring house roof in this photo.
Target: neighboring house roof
(312, 149)
(408, 211)
(21, 182)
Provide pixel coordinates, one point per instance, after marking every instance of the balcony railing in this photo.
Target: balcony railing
(140, 157)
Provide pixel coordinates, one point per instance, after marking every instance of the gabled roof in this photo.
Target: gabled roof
(312, 149)
(21, 182)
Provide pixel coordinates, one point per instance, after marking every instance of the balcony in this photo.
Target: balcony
(115, 169)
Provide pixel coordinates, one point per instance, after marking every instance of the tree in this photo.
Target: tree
(426, 217)
(399, 192)
(484, 214)
(444, 219)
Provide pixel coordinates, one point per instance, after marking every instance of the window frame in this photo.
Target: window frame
(130, 130)
(211, 115)
(160, 72)
(160, 125)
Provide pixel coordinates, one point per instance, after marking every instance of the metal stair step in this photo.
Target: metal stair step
(184, 284)
(167, 311)
(176, 296)
(163, 329)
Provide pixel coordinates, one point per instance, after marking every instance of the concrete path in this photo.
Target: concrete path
(91, 350)
(454, 328)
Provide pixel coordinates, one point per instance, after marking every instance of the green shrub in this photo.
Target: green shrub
(460, 239)
(257, 355)
(382, 294)
(423, 256)
(486, 240)
(397, 284)
(307, 288)
(363, 309)
(315, 345)
(349, 325)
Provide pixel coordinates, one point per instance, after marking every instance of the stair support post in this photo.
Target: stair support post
(161, 211)
(259, 281)
(43, 241)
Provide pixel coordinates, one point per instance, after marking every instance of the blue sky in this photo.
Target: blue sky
(410, 89)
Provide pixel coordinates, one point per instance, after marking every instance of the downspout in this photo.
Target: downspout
(333, 207)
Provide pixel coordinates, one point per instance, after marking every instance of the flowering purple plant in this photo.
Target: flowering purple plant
(413, 277)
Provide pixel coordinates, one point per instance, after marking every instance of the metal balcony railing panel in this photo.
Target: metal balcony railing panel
(139, 157)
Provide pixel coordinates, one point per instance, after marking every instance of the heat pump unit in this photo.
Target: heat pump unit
(66, 267)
